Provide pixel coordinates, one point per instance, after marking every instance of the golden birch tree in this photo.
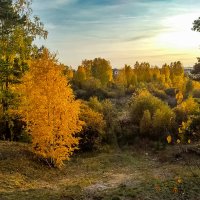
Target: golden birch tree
(50, 110)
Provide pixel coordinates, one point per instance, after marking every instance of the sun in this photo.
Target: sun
(178, 34)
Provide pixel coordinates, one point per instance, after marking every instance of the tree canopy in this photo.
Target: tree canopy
(49, 110)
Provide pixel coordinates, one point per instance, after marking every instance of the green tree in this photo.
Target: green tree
(17, 32)
(196, 71)
(196, 25)
(196, 67)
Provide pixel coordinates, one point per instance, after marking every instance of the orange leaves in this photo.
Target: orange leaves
(50, 110)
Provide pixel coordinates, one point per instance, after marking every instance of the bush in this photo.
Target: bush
(144, 101)
(108, 110)
(196, 93)
(160, 94)
(188, 118)
(95, 104)
(185, 109)
(93, 131)
(145, 122)
(162, 122)
(110, 115)
(127, 133)
(153, 116)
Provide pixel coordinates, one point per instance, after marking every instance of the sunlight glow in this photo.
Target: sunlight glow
(179, 34)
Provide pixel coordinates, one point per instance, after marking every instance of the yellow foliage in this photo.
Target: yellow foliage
(80, 74)
(93, 119)
(102, 70)
(183, 128)
(93, 129)
(169, 138)
(95, 104)
(186, 108)
(196, 84)
(179, 97)
(121, 79)
(50, 110)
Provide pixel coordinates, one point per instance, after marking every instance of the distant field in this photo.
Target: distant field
(125, 175)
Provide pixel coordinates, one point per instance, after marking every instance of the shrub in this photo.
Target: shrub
(187, 117)
(196, 93)
(93, 131)
(160, 94)
(144, 101)
(162, 122)
(145, 122)
(110, 115)
(95, 104)
(185, 109)
(145, 105)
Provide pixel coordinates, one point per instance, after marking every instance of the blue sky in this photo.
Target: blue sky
(122, 31)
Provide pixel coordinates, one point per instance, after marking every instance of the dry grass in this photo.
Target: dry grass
(117, 175)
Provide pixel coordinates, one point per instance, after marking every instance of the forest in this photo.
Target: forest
(57, 121)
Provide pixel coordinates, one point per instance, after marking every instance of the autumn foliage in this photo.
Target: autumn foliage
(50, 110)
(93, 129)
(115, 106)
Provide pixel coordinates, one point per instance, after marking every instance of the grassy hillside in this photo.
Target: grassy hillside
(124, 175)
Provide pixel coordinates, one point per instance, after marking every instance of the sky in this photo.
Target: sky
(122, 31)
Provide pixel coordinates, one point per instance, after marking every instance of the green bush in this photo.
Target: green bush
(153, 116)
